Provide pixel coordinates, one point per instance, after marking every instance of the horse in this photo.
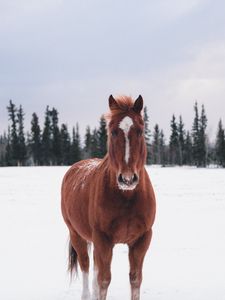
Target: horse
(111, 200)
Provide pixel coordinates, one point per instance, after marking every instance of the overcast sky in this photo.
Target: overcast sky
(73, 54)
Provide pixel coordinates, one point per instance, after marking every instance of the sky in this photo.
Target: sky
(72, 54)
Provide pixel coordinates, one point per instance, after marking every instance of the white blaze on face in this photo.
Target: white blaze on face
(125, 125)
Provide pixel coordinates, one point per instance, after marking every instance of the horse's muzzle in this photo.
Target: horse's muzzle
(127, 181)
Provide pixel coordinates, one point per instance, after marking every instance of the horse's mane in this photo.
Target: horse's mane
(125, 104)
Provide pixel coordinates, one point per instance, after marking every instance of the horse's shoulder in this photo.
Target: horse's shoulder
(71, 171)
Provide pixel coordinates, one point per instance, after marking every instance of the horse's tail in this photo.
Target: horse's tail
(72, 262)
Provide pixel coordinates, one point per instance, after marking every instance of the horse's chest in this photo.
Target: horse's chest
(126, 229)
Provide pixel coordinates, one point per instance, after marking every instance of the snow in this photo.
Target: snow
(86, 168)
(186, 259)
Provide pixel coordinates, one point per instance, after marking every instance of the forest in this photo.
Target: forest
(53, 144)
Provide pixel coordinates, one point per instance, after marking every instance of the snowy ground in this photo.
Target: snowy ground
(186, 260)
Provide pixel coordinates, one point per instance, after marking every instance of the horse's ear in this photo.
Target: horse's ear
(112, 103)
(138, 104)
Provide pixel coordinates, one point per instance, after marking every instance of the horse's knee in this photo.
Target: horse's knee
(104, 281)
(104, 284)
(135, 279)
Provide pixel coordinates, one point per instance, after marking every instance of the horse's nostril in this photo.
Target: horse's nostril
(120, 178)
(135, 178)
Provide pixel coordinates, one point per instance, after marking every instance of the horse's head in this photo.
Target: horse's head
(126, 142)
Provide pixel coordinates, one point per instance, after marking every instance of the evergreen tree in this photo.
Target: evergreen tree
(3, 145)
(8, 153)
(56, 141)
(195, 136)
(35, 140)
(65, 145)
(76, 145)
(13, 137)
(181, 134)
(46, 139)
(174, 142)
(202, 138)
(187, 157)
(2, 156)
(102, 138)
(147, 135)
(1, 151)
(210, 152)
(162, 148)
(95, 144)
(199, 137)
(156, 145)
(21, 138)
(220, 145)
(87, 143)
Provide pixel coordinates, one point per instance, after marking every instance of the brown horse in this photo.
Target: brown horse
(111, 200)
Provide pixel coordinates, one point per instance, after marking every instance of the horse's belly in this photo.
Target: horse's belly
(127, 231)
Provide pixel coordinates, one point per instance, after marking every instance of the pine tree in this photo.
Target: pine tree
(76, 154)
(13, 138)
(187, 157)
(2, 156)
(156, 145)
(199, 137)
(195, 137)
(87, 143)
(181, 134)
(8, 152)
(65, 145)
(3, 145)
(56, 142)
(35, 140)
(147, 135)
(102, 138)
(94, 144)
(21, 138)
(202, 138)
(162, 148)
(174, 142)
(46, 139)
(220, 145)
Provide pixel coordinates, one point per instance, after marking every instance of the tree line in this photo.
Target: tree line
(51, 145)
(55, 145)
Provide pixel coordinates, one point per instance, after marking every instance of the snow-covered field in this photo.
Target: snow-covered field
(186, 260)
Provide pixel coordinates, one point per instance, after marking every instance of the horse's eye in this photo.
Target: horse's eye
(139, 132)
(114, 133)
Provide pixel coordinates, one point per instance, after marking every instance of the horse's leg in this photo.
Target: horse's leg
(95, 287)
(81, 247)
(137, 253)
(102, 257)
